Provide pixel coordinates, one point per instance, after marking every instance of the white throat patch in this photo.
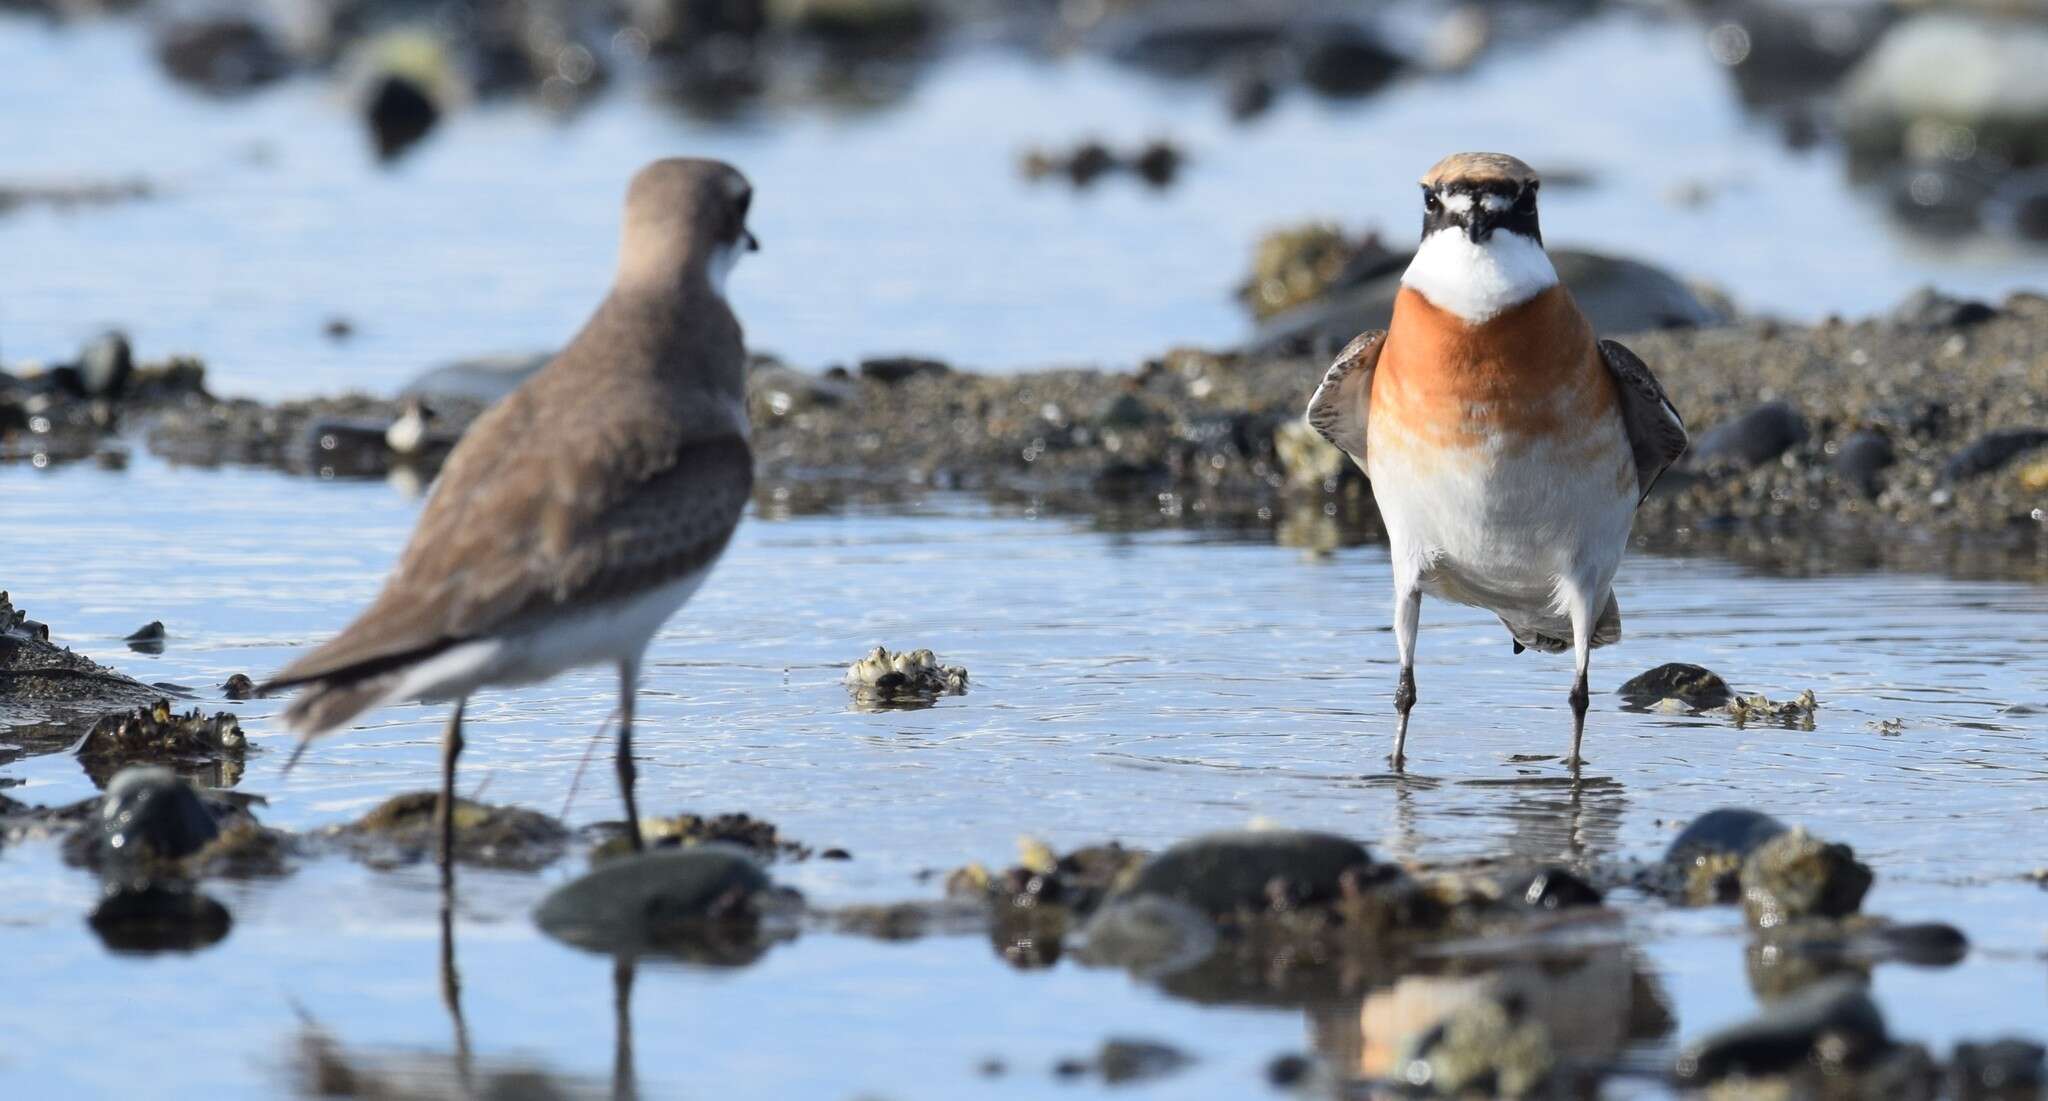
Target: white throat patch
(1477, 281)
(723, 259)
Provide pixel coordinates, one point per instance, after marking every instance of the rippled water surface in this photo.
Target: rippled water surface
(1142, 686)
(1135, 686)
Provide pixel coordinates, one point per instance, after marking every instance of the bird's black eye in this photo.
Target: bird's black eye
(1525, 203)
(1429, 202)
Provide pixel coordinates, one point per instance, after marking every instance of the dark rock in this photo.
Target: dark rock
(1832, 1021)
(1930, 309)
(680, 25)
(1796, 875)
(1158, 163)
(775, 391)
(683, 831)
(1342, 60)
(238, 687)
(1750, 440)
(859, 26)
(1125, 1061)
(1126, 410)
(1553, 889)
(148, 638)
(1223, 873)
(1287, 1071)
(1927, 943)
(1250, 94)
(106, 365)
(1128, 481)
(148, 817)
(693, 902)
(1861, 460)
(400, 112)
(895, 369)
(221, 55)
(160, 917)
(2021, 204)
(1728, 831)
(1695, 686)
(1939, 198)
(1991, 451)
(2002, 1070)
(1080, 166)
(402, 830)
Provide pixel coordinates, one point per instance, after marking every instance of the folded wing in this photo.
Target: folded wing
(1339, 408)
(1656, 433)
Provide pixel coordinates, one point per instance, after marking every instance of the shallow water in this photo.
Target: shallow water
(1136, 686)
(905, 229)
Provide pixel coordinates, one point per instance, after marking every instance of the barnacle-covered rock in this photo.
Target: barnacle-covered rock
(911, 678)
(1797, 875)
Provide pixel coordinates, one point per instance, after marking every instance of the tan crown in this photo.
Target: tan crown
(677, 211)
(1479, 168)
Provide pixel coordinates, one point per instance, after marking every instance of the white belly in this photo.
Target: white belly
(606, 634)
(1507, 525)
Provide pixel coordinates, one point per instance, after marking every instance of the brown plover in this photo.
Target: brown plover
(582, 510)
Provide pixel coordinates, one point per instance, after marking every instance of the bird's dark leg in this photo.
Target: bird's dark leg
(451, 992)
(625, 1084)
(1407, 617)
(629, 683)
(444, 809)
(1579, 698)
(1582, 613)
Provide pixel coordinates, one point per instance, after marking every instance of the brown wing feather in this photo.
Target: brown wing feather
(529, 515)
(1341, 403)
(1656, 433)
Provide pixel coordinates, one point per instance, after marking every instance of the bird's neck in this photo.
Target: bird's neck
(1477, 280)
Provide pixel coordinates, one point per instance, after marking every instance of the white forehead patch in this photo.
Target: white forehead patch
(1456, 202)
(1496, 203)
(1478, 280)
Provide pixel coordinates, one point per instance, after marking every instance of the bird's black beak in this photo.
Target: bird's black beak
(747, 238)
(1480, 222)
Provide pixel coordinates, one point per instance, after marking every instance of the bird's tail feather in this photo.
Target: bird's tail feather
(1555, 636)
(323, 705)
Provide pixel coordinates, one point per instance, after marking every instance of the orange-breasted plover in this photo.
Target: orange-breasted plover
(580, 512)
(1509, 447)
